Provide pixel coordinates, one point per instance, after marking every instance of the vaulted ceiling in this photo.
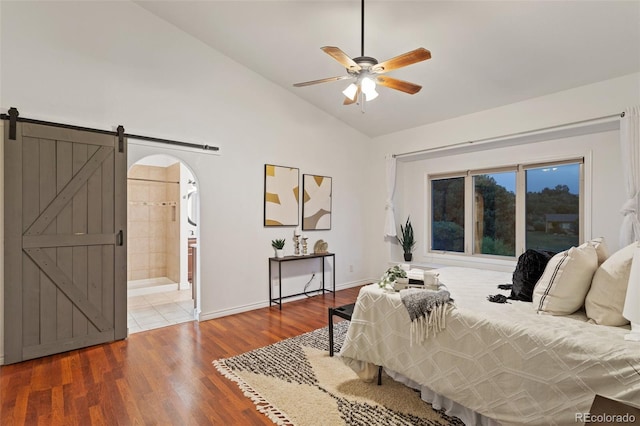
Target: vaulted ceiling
(484, 53)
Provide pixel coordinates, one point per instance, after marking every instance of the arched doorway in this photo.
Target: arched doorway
(162, 199)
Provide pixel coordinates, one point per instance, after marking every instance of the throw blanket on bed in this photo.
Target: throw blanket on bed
(427, 310)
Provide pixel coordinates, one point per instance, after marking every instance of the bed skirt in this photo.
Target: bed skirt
(437, 401)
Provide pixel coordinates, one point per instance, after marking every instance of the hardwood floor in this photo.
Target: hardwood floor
(162, 376)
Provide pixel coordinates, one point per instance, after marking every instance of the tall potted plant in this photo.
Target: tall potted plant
(406, 239)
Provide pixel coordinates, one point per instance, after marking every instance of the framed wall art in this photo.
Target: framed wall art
(281, 195)
(316, 204)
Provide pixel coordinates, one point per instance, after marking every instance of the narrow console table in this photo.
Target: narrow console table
(281, 260)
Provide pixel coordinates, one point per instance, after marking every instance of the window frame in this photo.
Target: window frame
(520, 209)
(429, 227)
(472, 235)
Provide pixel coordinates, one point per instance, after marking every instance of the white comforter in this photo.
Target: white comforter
(503, 361)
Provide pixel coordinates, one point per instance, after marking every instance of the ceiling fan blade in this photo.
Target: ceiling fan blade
(324, 80)
(394, 83)
(341, 57)
(348, 101)
(409, 58)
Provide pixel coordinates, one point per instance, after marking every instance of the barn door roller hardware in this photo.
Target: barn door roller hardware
(120, 132)
(13, 120)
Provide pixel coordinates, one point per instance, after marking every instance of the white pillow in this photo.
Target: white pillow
(605, 299)
(601, 249)
(562, 288)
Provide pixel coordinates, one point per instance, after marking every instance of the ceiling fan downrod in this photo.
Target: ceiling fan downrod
(366, 62)
(362, 29)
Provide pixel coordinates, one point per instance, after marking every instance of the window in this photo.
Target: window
(553, 207)
(494, 213)
(508, 210)
(447, 206)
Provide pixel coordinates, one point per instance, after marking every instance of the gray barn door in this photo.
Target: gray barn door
(65, 227)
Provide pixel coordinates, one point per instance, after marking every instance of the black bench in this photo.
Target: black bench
(345, 311)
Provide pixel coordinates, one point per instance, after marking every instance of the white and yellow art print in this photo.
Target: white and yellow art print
(316, 205)
(281, 195)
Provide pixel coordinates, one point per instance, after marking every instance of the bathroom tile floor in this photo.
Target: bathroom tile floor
(149, 311)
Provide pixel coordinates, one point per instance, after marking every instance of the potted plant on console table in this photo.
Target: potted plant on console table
(407, 240)
(278, 244)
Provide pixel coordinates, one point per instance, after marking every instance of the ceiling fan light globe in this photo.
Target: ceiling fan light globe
(350, 91)
(369, 88)
(367, 84)
(371, 95)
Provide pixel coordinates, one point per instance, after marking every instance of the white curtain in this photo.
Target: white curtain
(630, 150)
(631, 310)
(390, 219)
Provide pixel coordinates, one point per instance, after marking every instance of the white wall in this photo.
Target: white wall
(100, 64)
(582, 103)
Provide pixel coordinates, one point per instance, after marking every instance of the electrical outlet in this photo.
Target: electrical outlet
(350, 268)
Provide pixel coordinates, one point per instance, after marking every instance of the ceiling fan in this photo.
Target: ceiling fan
(367, 72)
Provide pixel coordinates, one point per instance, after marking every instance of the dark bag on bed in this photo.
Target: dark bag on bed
(528, 271)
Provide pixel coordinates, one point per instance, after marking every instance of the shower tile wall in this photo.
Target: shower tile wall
(172, 225)
(154, 222)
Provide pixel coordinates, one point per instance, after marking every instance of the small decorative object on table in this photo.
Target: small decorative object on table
(407, 240)
(304, 245)
(320, 247)
(394, 279)
(278, 244)
(431, 281)
(296, 242)
(296, 245)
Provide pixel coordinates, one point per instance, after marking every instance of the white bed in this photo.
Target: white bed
(495, 362)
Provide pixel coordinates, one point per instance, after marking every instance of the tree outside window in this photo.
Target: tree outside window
(495, 214)
(447, 207)
(551, 205)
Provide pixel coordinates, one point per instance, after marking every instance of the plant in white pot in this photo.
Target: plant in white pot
(395, 278)
(278, 244)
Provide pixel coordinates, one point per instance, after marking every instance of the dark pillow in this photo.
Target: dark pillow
(528, 271)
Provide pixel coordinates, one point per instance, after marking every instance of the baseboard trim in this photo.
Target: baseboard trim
(204, 316)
